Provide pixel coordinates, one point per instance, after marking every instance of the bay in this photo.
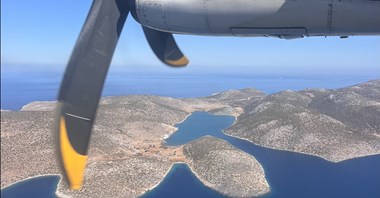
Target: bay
(289, 174)
(181, 182)
(41, 187)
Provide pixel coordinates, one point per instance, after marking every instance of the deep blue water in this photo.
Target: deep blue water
(181, 182)
(41, 187)
(20, 88)
(289, 174)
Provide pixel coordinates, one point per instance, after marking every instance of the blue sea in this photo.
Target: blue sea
(41, 187)
(290, 175)
(19, 88)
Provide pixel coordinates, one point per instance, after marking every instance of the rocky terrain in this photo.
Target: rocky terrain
(127, 143)
(126, 148)
(26, 143)
(333, 124)
(221, 166)
(237, 98)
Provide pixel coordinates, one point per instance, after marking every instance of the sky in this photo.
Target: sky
(40, 35)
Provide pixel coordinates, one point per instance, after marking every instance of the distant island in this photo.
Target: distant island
(127, 147)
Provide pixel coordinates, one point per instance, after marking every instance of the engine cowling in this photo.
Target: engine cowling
(280, 18)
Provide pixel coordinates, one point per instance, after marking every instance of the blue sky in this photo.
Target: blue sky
(40, 35)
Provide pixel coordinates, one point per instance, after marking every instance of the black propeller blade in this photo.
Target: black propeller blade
(84, 79)
(165, 47)
(83, 83)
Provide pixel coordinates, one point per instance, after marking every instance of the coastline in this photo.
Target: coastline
(186, 111)
(57, 192)
(166, 136)
(314, 155)
(60, 194)
(32, 177)
(167, 172)
(210, 186)
(226, 178)
(322, 157)
(205, 183)
(188, 163)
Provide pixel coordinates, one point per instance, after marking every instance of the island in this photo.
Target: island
(127, 147)
(336, 124)
(220, 166)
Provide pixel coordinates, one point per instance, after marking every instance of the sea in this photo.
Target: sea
(19, 88)
(289, 174)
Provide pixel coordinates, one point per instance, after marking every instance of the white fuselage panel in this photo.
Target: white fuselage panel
(279, 18)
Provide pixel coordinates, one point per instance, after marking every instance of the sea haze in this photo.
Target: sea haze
(19, 88)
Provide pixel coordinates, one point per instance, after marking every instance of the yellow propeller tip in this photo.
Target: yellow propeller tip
(183, 61)
(76, 186)
(73, 162)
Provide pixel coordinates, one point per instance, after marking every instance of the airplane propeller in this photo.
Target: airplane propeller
(85, 75)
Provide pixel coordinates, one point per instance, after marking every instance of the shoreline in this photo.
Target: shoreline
(32, 177)
(60, 194)
(205, 183)
(209, 186)
(166, 136)
(166, 174)
(188, 163)
(56, 192)
(189, 110)
(314, 155)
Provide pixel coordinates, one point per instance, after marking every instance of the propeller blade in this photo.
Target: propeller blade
(165, 47)
(83, 83)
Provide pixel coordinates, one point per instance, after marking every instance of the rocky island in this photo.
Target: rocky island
(127, 144)
(220, 166)
(127, 147)
(333, 124)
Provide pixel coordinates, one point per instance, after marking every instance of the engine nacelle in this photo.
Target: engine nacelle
(280, 18)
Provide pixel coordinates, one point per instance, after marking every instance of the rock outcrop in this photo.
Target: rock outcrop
(226, 169)
(333, 124)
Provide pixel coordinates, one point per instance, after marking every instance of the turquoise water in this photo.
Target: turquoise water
(41, 187)
(290, 175)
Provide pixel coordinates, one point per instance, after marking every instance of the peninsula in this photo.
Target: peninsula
(127, 147)
(220, 166)
(333, 124)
